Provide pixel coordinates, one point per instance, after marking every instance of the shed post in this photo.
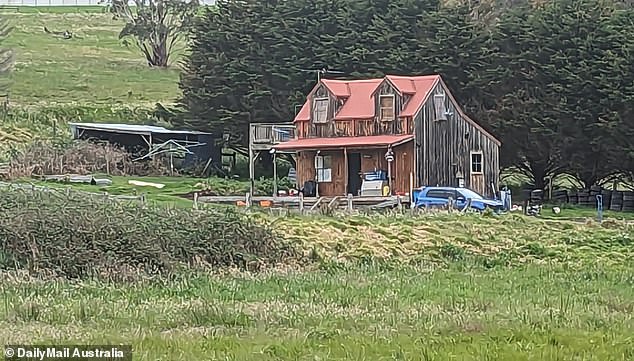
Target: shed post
(274, 172)
(251, 160)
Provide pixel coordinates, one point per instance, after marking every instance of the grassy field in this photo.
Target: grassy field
(378, 287)
(461, 312)
(91, 68)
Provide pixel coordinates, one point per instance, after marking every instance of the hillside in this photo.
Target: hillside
(91, 68)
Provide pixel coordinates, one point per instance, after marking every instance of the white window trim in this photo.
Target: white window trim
(326, 172)
(393, 107)
(315, 109)
(481, 162)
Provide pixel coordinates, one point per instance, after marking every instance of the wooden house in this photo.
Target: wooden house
(409, 127)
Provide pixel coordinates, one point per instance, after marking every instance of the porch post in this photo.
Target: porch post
(345, 171)
(389, 157)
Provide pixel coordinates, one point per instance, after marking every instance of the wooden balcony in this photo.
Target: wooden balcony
(263, 136)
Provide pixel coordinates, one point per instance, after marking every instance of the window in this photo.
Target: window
(476, 162)
(323, 168)
(439, 104)
(320, 110)
(442, 194)
(386, 105)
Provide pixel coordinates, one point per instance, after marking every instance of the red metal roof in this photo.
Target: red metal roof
(345, 142)
(358, 95)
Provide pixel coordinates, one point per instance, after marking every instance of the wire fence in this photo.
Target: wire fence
(34, 3)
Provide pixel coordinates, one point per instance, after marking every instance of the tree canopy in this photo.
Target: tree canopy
(155, 26)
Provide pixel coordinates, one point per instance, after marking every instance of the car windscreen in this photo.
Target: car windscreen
(470, 194)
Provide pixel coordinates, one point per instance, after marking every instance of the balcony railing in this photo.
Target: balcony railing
(271, 133)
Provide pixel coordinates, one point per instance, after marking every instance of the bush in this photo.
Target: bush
(80, 157)
(75, 237)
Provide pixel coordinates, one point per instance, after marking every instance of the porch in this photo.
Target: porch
(340, 166)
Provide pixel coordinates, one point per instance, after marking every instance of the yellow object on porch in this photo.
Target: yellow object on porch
(386, 191)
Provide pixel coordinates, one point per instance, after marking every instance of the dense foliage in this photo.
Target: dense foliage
(553, 80)
(75, 236)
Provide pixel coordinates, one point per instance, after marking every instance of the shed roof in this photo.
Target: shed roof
(345, 142)
(130, 128)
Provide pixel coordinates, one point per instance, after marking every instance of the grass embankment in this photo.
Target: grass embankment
(426, 288)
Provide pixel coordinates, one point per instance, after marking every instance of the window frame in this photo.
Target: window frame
(315, 102)
(472, 163)
(445, 192)
(440, 105)
(393, 107)
(323, 165)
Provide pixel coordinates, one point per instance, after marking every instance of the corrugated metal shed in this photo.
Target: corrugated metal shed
(129, 129)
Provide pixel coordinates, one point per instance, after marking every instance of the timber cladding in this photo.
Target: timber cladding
(371, 160)
(446, 148)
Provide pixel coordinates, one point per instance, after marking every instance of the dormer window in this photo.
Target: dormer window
(320, 110)
(386, 105)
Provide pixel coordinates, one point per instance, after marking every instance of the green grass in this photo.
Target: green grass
(531, 312)
(92, 68)
(431, 287)
(170, 195)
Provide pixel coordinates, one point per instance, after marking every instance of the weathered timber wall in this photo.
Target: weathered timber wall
(444, 147)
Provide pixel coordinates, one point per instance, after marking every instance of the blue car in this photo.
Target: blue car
(429, 197)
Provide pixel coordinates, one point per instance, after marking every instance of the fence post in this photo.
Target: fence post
(301, 203)
(195, 200)
(350, 207)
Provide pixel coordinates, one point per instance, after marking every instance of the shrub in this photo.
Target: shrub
(79, 157)
(75, 237)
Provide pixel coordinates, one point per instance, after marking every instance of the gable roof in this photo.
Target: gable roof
(359, 95)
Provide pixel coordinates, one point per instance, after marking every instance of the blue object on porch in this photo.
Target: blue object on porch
(600, 207)
(376, 175)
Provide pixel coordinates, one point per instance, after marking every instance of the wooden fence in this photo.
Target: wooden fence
(611, 200)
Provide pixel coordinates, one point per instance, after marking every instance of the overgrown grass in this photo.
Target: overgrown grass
(462, 312)
(489, 241)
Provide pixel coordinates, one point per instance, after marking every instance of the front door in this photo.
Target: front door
(354, 170)
(476, 181)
